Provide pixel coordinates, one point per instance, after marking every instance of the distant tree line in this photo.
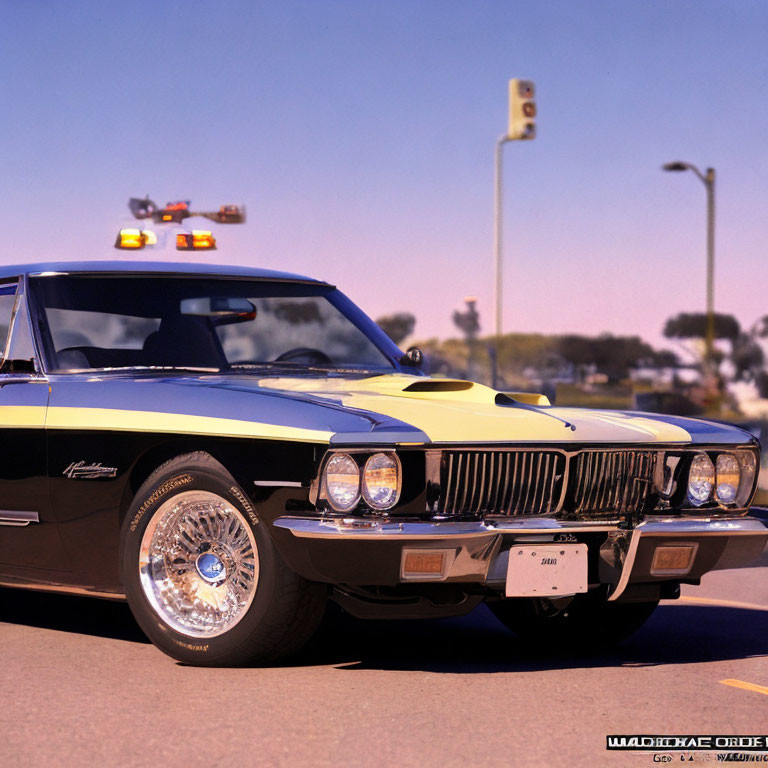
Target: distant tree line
(614, 356)
(745, 352)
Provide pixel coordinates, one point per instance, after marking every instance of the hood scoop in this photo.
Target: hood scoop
(527, 398)
(439, 385)
(475, 392)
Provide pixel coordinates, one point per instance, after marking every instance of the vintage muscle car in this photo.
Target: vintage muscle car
(228, 448)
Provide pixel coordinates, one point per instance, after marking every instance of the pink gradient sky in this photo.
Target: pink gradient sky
(360, 135)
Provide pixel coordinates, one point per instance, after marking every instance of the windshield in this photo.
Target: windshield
(101, 322)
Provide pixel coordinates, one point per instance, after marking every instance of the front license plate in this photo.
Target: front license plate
(546, 570)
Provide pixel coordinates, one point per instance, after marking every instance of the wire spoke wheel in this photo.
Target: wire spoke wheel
(198, 564)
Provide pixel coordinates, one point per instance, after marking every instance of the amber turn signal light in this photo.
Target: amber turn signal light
(673, 559)
(197, 240)
(423, 564)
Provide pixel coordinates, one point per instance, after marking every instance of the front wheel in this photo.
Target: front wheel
(202, 576)
(585, 622)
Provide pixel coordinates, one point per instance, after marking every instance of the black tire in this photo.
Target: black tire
(284, 610)
(588, 622)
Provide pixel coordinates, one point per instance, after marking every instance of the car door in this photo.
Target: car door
(30, 546)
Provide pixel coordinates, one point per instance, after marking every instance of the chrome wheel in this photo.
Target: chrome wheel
(198, 564)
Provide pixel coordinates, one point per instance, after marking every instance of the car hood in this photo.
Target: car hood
(456, 411)
(392, 408)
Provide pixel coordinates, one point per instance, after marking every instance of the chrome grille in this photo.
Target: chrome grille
(581, 484)
(611, 481)
(500, 482)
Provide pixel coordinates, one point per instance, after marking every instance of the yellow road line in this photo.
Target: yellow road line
(746, 686)
(723, 603)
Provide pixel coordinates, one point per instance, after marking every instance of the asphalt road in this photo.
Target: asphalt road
(80, 686)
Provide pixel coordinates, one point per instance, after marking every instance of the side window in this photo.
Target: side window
(7, 300)
(84, 339)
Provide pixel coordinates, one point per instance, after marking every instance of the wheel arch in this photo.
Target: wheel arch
(245, 459)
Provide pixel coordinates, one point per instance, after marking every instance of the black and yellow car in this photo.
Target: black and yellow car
(229, 448)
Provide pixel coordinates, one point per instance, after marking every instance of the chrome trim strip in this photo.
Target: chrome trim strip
(14, 310)
(277, 484)
(18, 517)
(63, 589)
(367, 528)
(705, 525)
(626, 567)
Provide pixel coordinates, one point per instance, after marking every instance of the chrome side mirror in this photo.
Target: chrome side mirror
(413, 357)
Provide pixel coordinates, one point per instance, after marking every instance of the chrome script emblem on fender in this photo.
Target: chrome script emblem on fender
(79, 470)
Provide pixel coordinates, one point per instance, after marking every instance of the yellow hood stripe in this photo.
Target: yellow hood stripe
(457, 422)
(457, 412)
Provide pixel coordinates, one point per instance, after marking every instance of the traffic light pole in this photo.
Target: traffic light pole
(522, 111)
(497, 250)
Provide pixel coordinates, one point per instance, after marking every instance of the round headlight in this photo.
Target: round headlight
(342, 482)
(701, 479)
(728, 478)
(381, 480)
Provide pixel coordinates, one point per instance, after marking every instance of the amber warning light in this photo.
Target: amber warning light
(197, 240)
(132, 239)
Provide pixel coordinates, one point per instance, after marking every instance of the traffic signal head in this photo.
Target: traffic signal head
(522, 110)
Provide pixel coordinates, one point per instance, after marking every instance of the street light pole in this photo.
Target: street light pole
(708, 180)
(498, 247)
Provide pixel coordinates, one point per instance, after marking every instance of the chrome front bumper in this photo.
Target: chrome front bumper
(480, 549)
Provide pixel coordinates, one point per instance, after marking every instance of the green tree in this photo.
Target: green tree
(612, 355)
(693, 325)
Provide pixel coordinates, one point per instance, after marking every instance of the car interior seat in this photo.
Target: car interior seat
(182, 340)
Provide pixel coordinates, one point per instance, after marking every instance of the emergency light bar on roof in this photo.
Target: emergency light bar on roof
(134, 239)
(197, 240)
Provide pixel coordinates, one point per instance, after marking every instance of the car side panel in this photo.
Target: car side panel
(90, 509)
(29, 538)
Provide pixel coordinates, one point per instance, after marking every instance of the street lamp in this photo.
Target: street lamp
(708, 179)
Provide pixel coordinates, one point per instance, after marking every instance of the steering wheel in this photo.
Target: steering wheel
(308, 355)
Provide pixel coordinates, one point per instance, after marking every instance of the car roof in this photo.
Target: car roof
(150, 267)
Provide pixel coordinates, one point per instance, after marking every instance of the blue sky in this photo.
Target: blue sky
(360, 135)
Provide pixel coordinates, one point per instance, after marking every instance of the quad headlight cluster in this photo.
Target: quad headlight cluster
(374, 478)
(727, 478)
